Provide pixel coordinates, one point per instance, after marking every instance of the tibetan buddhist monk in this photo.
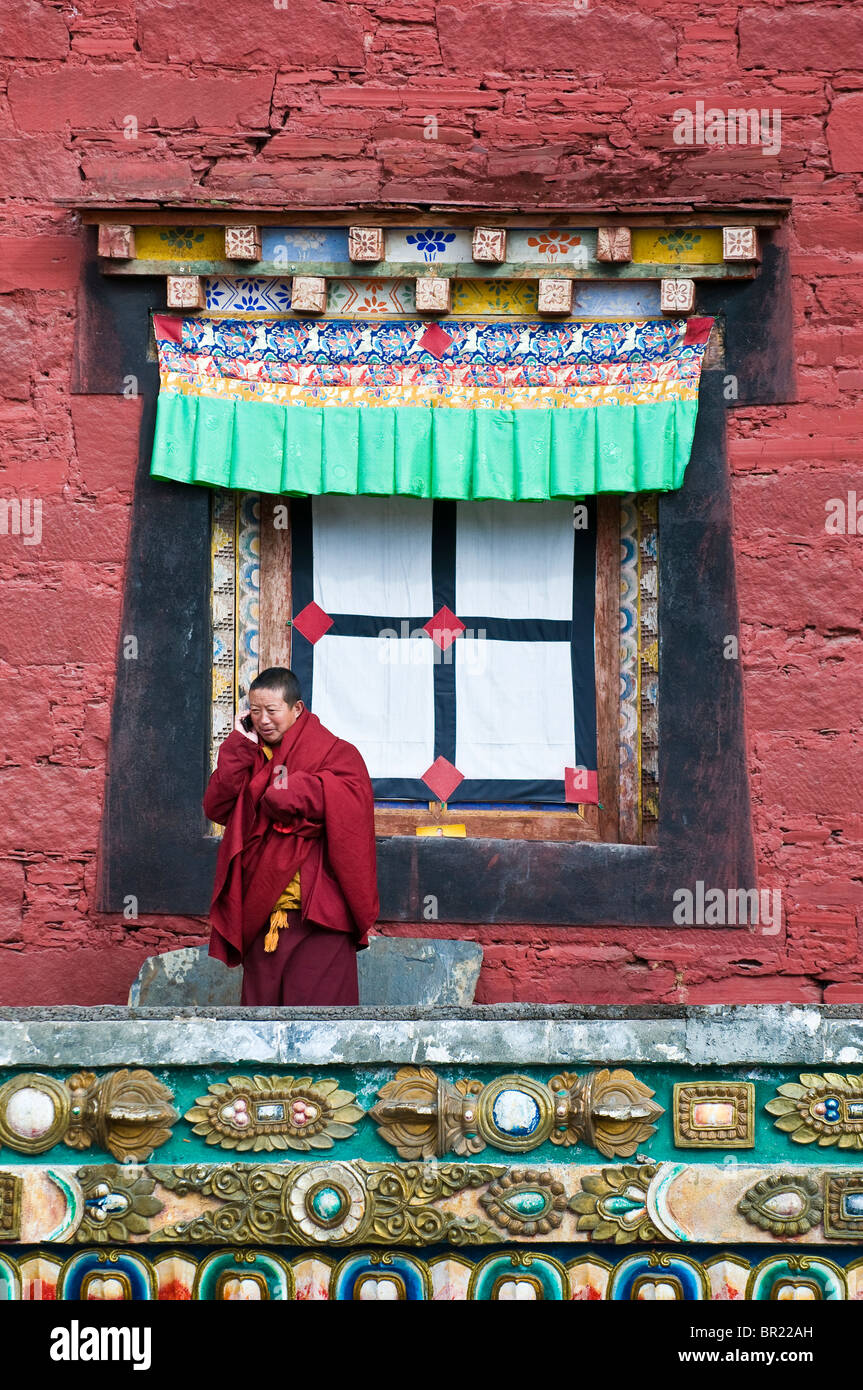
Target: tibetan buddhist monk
(295, 893)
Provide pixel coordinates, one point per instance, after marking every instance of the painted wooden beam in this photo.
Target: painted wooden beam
(471, 270)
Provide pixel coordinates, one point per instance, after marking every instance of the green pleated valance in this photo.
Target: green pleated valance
(511, 411)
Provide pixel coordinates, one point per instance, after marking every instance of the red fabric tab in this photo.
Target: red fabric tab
(581, 786)
(444, 628)
(697, 331)
(442, 778)
(168, 326)
(313, 622)
(435, 340)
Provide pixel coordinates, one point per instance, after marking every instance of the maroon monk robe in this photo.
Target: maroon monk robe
(325, 820)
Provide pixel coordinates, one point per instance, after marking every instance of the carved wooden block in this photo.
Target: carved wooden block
(366, 243)
(554, 297)
(243, 243)
(677, 296)
(309, 294)
(740, 243)
(433, 295)
(489, 244)
(613, 244)
(117, 241)
(186, 292)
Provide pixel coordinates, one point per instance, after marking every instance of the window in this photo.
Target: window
(554, 666)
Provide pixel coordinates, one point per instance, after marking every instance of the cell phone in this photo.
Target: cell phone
(246, 722)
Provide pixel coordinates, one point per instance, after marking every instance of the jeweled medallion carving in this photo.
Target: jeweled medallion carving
(274, 1112)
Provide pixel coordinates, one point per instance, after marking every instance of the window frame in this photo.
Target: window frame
(584, 822)
(153, 842)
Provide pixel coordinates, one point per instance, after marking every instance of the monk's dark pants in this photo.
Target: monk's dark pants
(310, 965)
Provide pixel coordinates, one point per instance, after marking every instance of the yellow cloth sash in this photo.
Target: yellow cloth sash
(289, 900)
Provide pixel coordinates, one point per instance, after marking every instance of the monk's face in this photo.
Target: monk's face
(271, 716)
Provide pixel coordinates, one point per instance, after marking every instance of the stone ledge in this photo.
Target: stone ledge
(499, 1035)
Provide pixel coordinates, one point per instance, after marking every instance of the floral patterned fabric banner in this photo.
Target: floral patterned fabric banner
(469, 409)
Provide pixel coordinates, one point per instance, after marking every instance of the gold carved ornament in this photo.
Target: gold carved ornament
(118, 1203)
(785, 1204)
(824, 1109)
(261, 1113)
(423, 1116)
(327, 1203)
(126, 1112)
(612, 1205)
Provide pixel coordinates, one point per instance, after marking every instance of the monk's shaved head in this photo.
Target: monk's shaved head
(280, 680)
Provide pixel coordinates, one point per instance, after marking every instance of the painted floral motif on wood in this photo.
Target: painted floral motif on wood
(677, 296)
(489, 244)
(366, 243)
(186, 292)
(243, 243)
(740, 243)
(613, 244)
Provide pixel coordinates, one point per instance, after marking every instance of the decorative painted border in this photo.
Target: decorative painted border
(223, 596)
(648, 663)
(396, 1275)
(235, 607)
(330, 1203)
(630, 704)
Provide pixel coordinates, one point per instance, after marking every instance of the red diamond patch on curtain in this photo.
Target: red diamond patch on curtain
(442, 778)
(581, 786)
(444, 628)
(313, 622)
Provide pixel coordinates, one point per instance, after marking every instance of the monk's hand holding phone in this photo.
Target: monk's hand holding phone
(243, 725)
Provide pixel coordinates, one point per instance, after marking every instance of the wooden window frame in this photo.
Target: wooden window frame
(599, 823)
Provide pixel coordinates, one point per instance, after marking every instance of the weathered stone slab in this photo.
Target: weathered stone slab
(416, 972)
(506, 1035)
(392, 971)
(188, 976)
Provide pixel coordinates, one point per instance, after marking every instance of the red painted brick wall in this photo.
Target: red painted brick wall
(324, 104)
